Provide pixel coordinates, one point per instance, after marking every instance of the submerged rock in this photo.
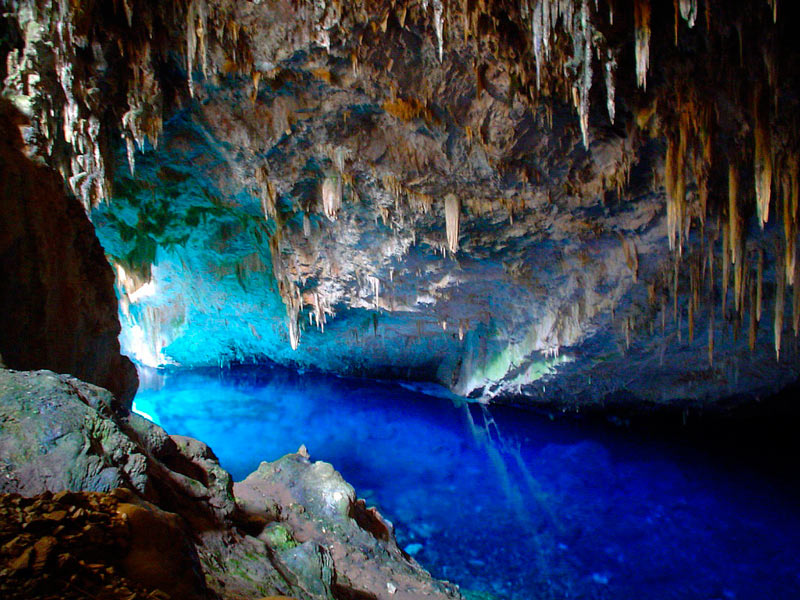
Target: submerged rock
(293, 528)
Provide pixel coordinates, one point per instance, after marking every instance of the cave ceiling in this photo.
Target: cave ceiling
(562, 200)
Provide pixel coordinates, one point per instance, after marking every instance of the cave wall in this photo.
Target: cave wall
(58, 309)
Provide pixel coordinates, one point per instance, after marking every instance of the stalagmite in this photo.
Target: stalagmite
(641, 12)
(452, 208)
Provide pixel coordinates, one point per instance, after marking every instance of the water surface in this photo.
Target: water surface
(508, 504)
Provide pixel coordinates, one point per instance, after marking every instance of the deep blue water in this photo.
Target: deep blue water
(505, 502)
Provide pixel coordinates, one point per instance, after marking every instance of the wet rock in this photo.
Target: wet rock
(60, 434)
(174, 529)
(318, 510)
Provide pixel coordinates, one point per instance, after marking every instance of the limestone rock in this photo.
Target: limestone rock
(169, 520)
(335, 531)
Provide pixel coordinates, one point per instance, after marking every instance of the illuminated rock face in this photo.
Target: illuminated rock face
(563, 200)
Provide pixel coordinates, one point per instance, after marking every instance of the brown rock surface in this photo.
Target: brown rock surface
(58, 310)
(82, 545)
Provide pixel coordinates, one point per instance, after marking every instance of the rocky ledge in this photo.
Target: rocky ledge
(97, 500)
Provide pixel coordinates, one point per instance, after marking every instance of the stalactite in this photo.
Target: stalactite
(774, 6)
(452, 208)
(438, 23)
(739, 285)
(789, 240)
(131, 149)
(689, 11)
(734, 221)
(796, 302)
(610, 68)
(585, 85)
(780, 292)
(331, 196)
(726, 263)
(675, 182)
(753, 330)
(711, 335)
(631, 253)
(794, 179)
(759, 284)
(268, 194)
(641, 11)
(762, 162)
(376, 291)
(675, 291)
(627, 329)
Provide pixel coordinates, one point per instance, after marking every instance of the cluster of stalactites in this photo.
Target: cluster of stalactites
(320, 309)
(575, 18)
(67, 121)
(62, 117)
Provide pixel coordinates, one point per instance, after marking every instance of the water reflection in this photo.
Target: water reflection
(503, 502)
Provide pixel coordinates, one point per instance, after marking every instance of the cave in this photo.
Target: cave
(399, 299)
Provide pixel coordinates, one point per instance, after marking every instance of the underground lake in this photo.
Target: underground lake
(507, 503)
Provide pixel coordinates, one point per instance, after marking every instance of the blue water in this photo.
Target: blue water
(507, 504)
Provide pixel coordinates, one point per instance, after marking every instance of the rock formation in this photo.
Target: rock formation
(97, 500)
